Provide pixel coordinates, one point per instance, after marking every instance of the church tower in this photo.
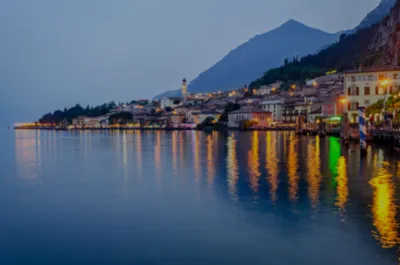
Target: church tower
(184, 91)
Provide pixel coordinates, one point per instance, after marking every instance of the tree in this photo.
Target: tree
(228, 108)
(169, 109)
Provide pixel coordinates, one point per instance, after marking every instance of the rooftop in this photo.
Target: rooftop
(388, 68)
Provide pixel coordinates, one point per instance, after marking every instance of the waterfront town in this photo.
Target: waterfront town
(322, 99)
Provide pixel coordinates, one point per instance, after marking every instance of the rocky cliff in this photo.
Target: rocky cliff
(385, 45)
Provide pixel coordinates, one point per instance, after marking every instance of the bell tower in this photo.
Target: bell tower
(184, 91)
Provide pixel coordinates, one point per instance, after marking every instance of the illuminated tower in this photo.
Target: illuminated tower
(184, 91)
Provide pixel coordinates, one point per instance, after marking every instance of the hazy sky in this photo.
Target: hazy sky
(56, 53)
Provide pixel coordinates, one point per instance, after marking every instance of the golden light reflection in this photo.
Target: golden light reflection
(139, 152)
(28, 153)
(232, 167)
(210, 161)
(314, 174)
(196, 156)
(174, 153)
(181, 150)
(124, 157)
(342, 185)
(293, 168)
(157, 155)
(384, 208)
(272, 162)
(253, 161)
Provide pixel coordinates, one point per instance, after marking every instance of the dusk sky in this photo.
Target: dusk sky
(54, 54)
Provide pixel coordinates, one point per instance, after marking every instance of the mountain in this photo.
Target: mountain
(376, 15)
(251, 59)
(377, 45)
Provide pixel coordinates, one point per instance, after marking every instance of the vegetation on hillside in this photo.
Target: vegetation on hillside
(67, 115)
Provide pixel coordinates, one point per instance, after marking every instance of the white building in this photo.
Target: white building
(366, 86)
(170, 102)
(275, 106)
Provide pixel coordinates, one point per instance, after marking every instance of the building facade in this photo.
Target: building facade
(260, 117)
(275, 106)
(365, 87)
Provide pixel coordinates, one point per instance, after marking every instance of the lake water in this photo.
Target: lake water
(145, 197)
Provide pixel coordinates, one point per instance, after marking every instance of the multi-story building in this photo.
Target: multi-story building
(364, 87)
(275, 106)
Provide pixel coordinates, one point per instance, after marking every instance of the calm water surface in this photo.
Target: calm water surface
(194, 198)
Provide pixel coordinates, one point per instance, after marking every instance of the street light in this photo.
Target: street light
(343, 101)
(384, 84)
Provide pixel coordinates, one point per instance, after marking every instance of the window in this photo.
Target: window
(370, 78)
(366, 91)
(353, 79)
(353, 91)
(366, 102)
(381, 77)
(395, 76)
(380, 90)
(353, 105)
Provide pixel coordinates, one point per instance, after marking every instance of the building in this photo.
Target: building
(90, 122)
(275, 106)
(364, 87)
(184, 91)
(199, 117)
(171, 102)
(237, 118)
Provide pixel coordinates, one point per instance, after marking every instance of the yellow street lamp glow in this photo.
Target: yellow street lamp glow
(315, 83)
(293, 86)
(344, 101)
(274, 89)
(385, 82)
(254, 91)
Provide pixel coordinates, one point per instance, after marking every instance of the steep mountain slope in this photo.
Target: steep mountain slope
(376, 15)
(385, 46)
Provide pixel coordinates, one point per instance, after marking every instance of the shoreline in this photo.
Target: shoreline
(146, 129)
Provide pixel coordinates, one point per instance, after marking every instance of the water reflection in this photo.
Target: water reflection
(174, 153)
(384, 208)
(342, 185)
(28, 154)
(232, 167)
(210, 161)
(314, 174)
(138, 142)
(293, 167)
(253, 162)
(196, 156)
(319, 172)
(272, 163)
